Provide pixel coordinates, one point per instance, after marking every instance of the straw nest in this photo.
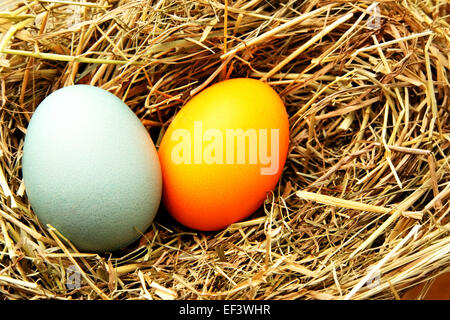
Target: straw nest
(362, 208)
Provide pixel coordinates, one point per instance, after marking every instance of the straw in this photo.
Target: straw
(361, 210)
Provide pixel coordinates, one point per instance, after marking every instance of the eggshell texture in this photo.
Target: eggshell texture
(91, 169)
(205, 185)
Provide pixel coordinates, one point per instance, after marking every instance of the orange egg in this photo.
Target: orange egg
(223, 152)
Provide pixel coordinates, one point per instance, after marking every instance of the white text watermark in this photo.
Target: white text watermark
(229, 146)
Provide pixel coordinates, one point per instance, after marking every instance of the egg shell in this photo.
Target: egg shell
(91, 169)
(210, 195)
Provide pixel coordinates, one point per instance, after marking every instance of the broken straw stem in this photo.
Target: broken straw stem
(350, 204)
(73, 3)
(274, 31)
(370, 274)
(388, 43)
(60, 57)
(305, 46)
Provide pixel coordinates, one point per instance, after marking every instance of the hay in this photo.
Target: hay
(362, 208)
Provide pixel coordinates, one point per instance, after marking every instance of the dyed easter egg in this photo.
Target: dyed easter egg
(91, 169)
(223, 153)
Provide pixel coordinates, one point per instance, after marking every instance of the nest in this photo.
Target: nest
(362, 208)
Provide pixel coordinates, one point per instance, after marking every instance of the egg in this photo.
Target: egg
(90, 169)
(223, 153)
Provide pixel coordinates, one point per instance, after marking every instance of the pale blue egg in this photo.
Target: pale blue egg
(91, 169)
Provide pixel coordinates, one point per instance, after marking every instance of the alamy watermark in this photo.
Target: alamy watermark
(375, 278)
(374, 21)
(229, 146)
(73, 280)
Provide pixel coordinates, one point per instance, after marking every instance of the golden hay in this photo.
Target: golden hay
(362, 208)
